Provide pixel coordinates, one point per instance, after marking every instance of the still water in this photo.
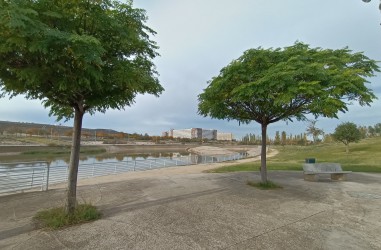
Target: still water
(26, 175)
(102, 158)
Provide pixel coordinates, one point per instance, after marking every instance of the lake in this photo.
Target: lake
(17, 176)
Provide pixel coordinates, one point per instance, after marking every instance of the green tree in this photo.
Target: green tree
(284, 138)
(77, 57)
(314, 131)
(277, 138)
(364, 131)
(328, 138)
(270, 85)
(347, 133)
(372, 131)
(377, 129)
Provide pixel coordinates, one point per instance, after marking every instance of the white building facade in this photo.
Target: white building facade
(189, 133)
(221, 136)
(199, 133)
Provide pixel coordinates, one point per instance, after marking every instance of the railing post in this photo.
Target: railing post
(67, 172)
(134, 165)
(47, 177)
(31, 184)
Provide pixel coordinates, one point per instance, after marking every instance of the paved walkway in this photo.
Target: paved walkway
(170, 209)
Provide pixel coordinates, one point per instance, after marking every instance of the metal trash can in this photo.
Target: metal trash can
(310, 160)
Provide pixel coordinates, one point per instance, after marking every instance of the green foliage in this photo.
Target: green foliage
(56, 218)
(77, 57)
(91, 55)
(375, 130)
(268, 85)
(264, 185)
(347, 133)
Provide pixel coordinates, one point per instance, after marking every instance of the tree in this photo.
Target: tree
(327, 138)
(277, 138)
(77, 57)
(363, 131)
(284, 138)
(346, 133)
(377, 129)
(270, 85)
(314, 131)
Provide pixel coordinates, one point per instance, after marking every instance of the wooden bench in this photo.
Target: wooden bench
(312, 170)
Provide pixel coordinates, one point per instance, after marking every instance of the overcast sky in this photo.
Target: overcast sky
(199, 37)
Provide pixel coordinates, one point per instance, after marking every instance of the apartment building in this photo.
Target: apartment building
(199, 133)
(221, 136)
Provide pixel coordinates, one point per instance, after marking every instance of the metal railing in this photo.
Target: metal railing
(27, 175)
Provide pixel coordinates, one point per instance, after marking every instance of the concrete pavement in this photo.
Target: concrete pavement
(206, 211)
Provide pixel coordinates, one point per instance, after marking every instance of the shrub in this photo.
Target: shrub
(56, 218)
(264, 185)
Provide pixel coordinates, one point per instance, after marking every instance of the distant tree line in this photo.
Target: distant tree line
(284, 138)
(281, 138)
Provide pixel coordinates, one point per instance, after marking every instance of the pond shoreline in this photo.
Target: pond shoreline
(114, 148)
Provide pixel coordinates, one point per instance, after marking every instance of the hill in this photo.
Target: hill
(7, 127)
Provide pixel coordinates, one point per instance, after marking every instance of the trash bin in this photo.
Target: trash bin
(310, 160)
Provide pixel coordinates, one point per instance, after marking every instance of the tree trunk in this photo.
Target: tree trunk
(263, 154)
(347, 148)
(71, 201)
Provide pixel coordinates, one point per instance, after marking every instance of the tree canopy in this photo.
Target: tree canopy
(93, 55)
(77, 57)
(269, 85)
(347, 133)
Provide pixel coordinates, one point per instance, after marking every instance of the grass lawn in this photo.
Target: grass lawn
(364, 156)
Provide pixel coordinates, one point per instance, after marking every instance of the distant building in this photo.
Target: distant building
(189, 133)
(165, 134)
(199, 133)
(224, 136)
(210, 134)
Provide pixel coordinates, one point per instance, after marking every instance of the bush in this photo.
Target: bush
(56, 218)
(264, 185)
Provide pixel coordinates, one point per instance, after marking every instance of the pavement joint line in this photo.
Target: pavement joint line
(140, 205)
(124, 207)
(274, 229)
(16, 231)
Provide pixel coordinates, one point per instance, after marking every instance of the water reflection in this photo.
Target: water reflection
(102, 158)
(124, 157)
(19, 176)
